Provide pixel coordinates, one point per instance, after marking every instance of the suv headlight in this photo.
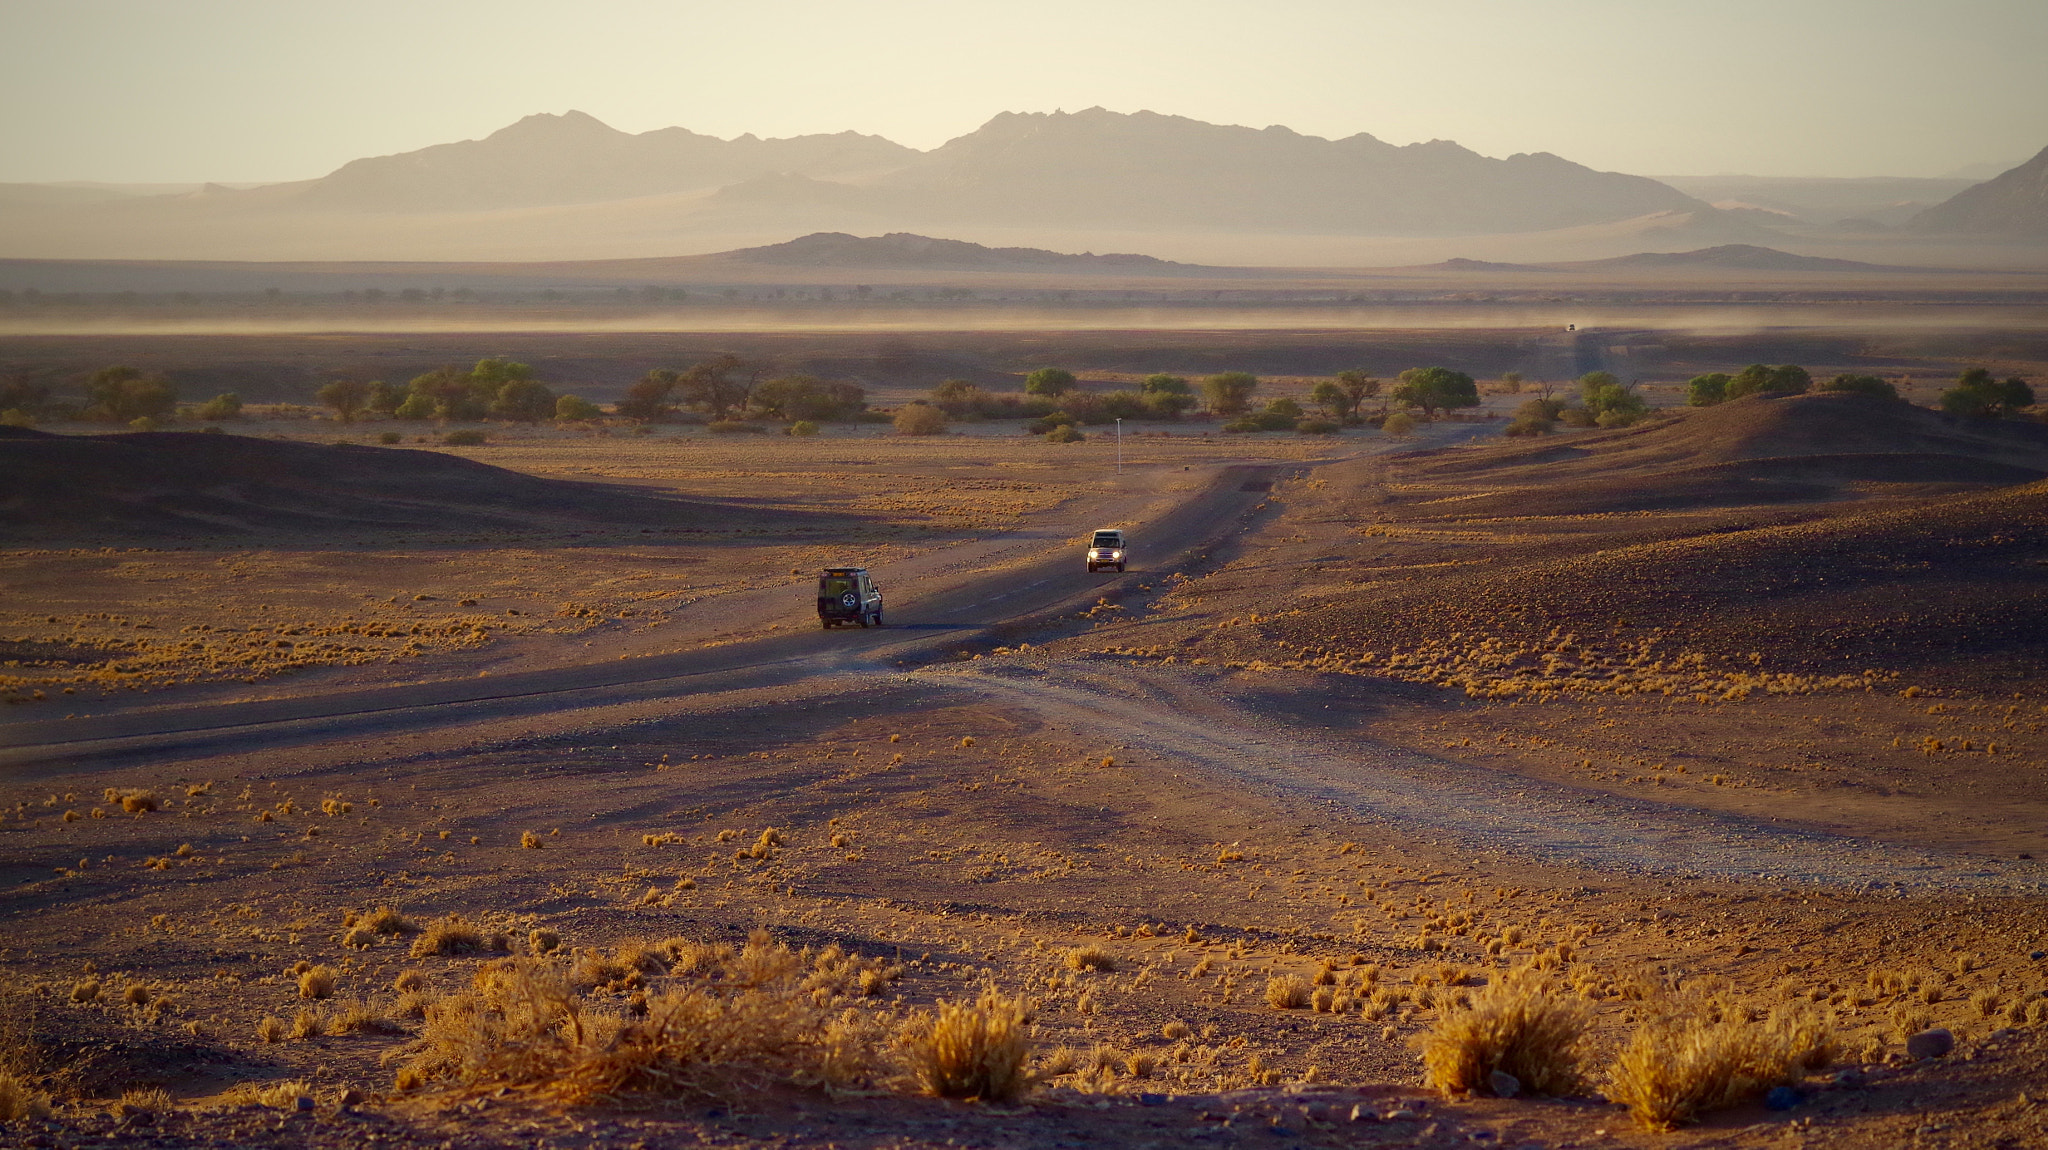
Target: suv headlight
(1116, 555)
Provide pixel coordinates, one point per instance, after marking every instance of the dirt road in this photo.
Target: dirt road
(967, 595)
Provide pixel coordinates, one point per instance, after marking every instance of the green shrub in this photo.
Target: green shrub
(1399, 423)
(466, 437)
(1262, 421)
(1707, 390)
(1524, 425)
(920, 419)
(16, 417)
(1049, 421)
(1314, 426)
(415, 406)
(389, 437)
(1611, 402)
(1578, 417)
(1286, 407)
(1124, 405)
(1065, 433)
(1977, 395)
(143, 423)
(803, 427)
(1046, 381)
(575, 408)
(1859, 385)
(225, 406)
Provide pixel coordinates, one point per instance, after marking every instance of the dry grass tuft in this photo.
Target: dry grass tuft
(308, 1024)
(85, 990)
(725, 1021)
(1519, 1024)
(539, 941)
(276, 1095)
(317, 983)
(357, 1016)
(1091, 958)
(385, 920)
(451, 935)
(979, 1051)
(1288, 992)
(143, 1100)
(270, 1029)
(530, 841)
(409, 980)
(1679, 1065)
(19, 1102)
(136, 802)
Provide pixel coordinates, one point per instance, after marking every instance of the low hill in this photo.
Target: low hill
(1761, 449)
(2015, 203)
(194, 485)
(907, 250)
(1798, 535)
(1743, 257)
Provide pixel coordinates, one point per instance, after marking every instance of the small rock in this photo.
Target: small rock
(1364, 1113)
(1503, 1084)
(1401, 1114)
(305, 1102)
(350, 1096)
(2038, 955)
(1781, 1098)
(1935, 1043)
(1151, 1099)
(1847, 1078)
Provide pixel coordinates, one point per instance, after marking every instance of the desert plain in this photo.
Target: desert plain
(415, 794)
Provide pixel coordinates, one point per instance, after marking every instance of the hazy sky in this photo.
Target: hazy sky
(244, 90)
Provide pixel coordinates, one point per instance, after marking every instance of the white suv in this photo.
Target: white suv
(1106, 549)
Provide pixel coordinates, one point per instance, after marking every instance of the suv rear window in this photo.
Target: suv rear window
(834, 586)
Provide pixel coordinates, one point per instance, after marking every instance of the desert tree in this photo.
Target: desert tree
(523, 401)
(22, 395)
(384, 398)
(804, 397)
(1436, 388)
(1762, 377)
(1978, 395)
(1230, 392)
(447, 393)
(650, 397)
(1860, 385)
(123, 394)
(1609, 401)
(1049, 381)
(718, 385)
(575, 408)
(920, 418)
(347, 397)
(1708, 389)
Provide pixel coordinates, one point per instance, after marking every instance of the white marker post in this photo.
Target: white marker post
(1119, 446)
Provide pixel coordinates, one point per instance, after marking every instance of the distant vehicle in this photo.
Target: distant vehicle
(1106, 549)
(848, 595)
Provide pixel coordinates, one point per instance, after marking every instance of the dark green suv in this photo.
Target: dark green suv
(847, 595)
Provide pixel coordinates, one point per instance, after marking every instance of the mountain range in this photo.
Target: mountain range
(2014, 203)
(569, 187)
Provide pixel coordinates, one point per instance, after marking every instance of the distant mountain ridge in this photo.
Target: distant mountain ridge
(567, 187)
(2015, 203)
(908, 250)
(1736, 257)
(1092, 168)
(575, 158)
